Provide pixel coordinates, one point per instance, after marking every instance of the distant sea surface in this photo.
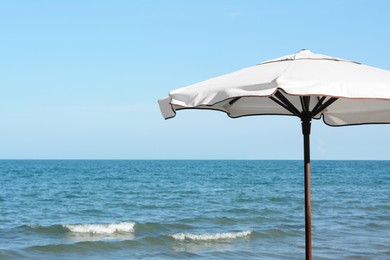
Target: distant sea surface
(192, 209)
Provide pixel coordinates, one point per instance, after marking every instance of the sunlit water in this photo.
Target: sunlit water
(192, 209)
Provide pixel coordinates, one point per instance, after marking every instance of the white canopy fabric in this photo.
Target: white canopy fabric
(362, 92)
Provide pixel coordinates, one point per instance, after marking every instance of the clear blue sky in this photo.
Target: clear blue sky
(81, 79)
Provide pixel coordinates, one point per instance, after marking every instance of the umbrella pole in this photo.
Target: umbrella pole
(306, 125)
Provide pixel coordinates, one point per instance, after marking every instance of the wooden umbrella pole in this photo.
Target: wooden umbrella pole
(306, 125)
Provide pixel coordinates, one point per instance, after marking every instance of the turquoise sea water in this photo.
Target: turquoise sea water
(192, 209)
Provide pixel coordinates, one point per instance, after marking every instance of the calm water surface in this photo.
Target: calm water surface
(192, 209)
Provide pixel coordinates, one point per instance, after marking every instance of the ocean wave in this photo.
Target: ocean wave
(212, 236)
(49, 230)
(102, 229)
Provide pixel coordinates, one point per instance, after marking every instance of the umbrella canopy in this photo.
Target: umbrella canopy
(306, 85)
(363, 91)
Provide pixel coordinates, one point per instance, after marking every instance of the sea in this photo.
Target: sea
(195, 209)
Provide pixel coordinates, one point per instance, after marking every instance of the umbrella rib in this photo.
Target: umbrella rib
(285, 103)
(302, 103)
(319, 108)
(234, 100)
(305, 102)
(320, 102)
(281, 104)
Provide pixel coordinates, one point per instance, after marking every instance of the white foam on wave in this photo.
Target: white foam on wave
(102, 228)
(207, 237)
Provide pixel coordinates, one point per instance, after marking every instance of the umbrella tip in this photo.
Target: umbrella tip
(302, 54)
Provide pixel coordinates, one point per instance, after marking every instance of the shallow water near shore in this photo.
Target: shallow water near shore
(192, 209)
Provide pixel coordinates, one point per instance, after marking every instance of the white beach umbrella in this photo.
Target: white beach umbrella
(306, 85)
